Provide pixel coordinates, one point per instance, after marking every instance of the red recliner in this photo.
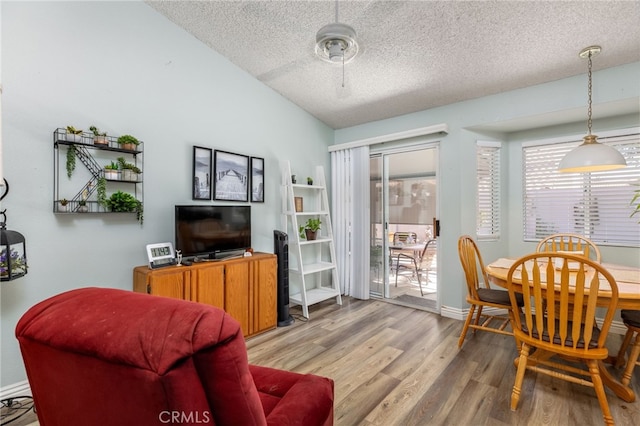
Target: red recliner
(98, 356)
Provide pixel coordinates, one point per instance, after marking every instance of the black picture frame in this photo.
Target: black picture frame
(231, 176)
(257, 180)
(201, 189)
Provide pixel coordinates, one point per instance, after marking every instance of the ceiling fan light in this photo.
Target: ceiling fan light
(336, 50)
(592, 156)
(333, 41)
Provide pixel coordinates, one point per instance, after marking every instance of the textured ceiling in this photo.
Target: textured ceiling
(415, 55)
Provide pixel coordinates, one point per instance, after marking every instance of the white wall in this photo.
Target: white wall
(126, 69)
(493, 118)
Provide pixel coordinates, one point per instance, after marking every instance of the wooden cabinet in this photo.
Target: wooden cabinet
(207, 284)
(168, 282)
(246, 288)
(263, 295)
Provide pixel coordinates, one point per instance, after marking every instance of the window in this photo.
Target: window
(596, 205)
(488, 198)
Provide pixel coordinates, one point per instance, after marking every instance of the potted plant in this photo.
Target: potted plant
(310, 229)
(99, 138)
(309, 180)
(82, 206)
(128, 142)
(111, 171)
(63, 205)
(129, 171)
(124, 202)
(73, 134)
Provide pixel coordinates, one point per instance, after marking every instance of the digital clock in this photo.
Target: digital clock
(161, 254)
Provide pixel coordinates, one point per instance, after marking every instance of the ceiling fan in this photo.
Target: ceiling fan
(336, 43)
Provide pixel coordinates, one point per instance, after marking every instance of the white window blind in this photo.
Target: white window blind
(488, 196)
(596, 205)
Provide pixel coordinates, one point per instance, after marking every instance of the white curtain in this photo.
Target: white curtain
(351, 220)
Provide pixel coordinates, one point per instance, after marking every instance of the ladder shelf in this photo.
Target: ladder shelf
(312, 264)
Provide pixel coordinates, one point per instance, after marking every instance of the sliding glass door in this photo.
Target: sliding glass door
(403, 194)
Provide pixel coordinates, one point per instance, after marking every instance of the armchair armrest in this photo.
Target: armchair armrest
(290, 398)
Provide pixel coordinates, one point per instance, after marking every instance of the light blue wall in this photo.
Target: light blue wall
(126, 69)
(457, 189)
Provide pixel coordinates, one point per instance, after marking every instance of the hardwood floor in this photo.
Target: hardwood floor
(394, 365)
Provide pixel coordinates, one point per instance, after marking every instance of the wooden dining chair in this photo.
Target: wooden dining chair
(559, 320)
(631, 319)
(570, 242)
(480, 294)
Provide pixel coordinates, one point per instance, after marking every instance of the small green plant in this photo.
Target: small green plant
(112, 166)
(125, 202)
(64, 202)
(82, 202)
(101, 188)
(309, 180)
(73, 131)
(71, 160)
(127, 166)
(97, 132)
(313, 225)
(128, 139)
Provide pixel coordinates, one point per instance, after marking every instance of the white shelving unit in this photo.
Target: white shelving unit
(313, 274)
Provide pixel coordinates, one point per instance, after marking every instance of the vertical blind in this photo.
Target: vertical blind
(488, 190)
(350, 211)
(596, 205)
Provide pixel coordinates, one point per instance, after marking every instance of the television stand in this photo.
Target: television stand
(246, 288)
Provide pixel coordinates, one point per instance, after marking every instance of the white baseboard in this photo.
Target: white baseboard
(17, 389)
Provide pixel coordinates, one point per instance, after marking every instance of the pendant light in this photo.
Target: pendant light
(591, 155)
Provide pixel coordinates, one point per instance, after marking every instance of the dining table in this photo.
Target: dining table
(628, 282)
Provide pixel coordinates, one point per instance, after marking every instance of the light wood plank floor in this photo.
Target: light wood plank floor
(394, 365)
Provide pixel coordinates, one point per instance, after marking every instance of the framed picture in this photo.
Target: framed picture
(298, 202)
(257, 180)
(201, 173)
(231, 176)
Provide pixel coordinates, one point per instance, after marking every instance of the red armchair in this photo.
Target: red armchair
(97, 356)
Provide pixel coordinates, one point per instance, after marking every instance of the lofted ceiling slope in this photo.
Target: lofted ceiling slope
(415, 55)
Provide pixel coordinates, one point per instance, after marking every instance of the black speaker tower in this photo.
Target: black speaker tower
(281, 249)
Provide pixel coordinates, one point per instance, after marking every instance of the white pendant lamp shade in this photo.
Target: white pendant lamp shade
(592, 156)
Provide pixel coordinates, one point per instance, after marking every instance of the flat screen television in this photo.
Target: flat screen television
(214, 232)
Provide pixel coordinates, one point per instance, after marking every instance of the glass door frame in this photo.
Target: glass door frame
(384, 153)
